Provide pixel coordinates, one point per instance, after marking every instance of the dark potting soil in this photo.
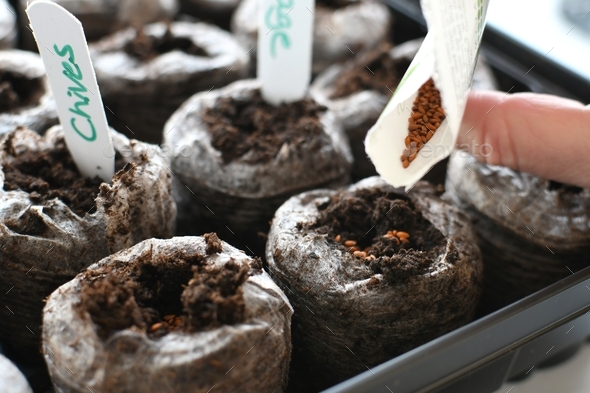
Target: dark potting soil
(334, 4)
(50, 174)
(146, 48)
(375, 70)
(347, 216)
(563, 188)
(254, 131)
(18, 91)
(159, 295)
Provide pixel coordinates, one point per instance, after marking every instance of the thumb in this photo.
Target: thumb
(540, 134)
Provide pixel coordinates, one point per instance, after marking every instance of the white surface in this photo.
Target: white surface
(542, 26)
(572, 376)
(284, 49)
(64, 50)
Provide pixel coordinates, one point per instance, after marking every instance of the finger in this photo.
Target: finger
(540, 134)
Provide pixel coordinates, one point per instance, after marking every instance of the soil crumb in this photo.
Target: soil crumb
(375, 70)
(18, 91)
(255, 132)
(213, 243)
(158, 295)
(50, 174)
(401, 242)
(146, 48)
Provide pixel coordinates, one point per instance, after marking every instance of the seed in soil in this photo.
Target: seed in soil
(427, 115)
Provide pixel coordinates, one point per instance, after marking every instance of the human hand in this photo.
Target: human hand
(540, 134)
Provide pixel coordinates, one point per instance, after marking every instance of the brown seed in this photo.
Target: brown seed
(156, 326)
(408, 139)
(405, 164)
(354, 249)
(403, 235)
(416, 116)
(350, 243)
(388, 235)
(367, 249)
(425, 119)
(361, 254)
(338, 238)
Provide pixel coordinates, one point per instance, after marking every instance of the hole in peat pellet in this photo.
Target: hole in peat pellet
(375, 71)
(564, 188)
(159, 295)
(255, 131)
(18, 91)
(427, 116)
(383, 230)
(146, 48)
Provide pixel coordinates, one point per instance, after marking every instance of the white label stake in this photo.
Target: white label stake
(64, 50)
(285, 37)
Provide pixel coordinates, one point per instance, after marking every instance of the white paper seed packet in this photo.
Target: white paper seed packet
(64, 50)
(448, 55)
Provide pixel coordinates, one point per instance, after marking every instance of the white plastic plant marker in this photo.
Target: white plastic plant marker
(448, 55)
(62, 45)
(285, 37)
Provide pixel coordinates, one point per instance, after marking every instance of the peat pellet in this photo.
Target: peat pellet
(359, 90)
(246, 157)
(54, 222)
(216, 11)
(532, 232)
(25, 97)
(188, 314)
(342, 28)
(100, 18)
(11, 379)
(417, 275)
(145, 75)
(8, 26)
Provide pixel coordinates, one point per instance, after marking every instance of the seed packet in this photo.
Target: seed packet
(447, 56)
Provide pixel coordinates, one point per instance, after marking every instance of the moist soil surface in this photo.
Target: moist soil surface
(159, 295)
(366, 217)
(52, 174)
(18, 91)
(146, 48)
(254, 131)
(375, 70)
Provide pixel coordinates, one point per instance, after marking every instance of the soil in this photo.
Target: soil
(17, 91)
(213, 243)
(254, 131)
(159, 295)
(146, 48)
(563, 188)
(375, 70)
(334, 4)
(349, 214)
(52, 174)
